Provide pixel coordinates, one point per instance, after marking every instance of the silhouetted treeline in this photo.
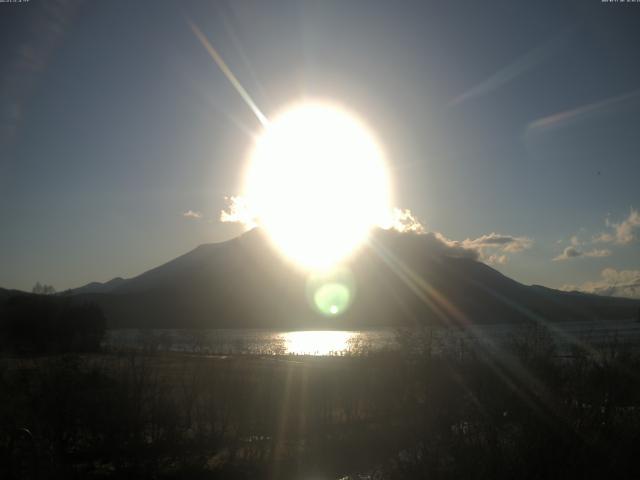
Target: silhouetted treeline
(518, 411)
(50, 324)
(41, 289)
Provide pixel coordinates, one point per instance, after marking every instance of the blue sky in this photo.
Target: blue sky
(509, 117)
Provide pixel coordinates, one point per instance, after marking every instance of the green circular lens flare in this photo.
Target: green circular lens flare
(332, 298)
(332, 292)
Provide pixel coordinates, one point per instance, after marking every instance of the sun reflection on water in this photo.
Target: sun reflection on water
(331, 342)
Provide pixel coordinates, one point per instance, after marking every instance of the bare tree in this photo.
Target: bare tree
(41, 289)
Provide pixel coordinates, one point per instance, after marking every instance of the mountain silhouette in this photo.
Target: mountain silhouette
(98, 287)
(398, 279)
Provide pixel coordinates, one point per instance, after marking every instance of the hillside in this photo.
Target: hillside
(399, 279)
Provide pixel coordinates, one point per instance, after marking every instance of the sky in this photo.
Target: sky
(510, 127)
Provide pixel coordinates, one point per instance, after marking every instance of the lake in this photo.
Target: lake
(345, 342)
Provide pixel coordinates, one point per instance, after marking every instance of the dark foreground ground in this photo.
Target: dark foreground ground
(524, 413)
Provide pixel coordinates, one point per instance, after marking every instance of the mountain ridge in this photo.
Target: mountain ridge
(399, 279)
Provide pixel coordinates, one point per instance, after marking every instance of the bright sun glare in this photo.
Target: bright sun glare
(333, 342)
(317, 183)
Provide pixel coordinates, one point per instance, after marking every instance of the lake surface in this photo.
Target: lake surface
(353, 342)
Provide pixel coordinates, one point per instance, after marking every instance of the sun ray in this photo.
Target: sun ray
(228, 73)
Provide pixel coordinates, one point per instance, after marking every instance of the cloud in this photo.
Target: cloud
(583, 113)
(492, 248)
(576, 250)
(192, 214)
(509, 73)
(616, 283)
(569, 252)
(438, 245)
(496, 259)
(506, 243)
(573, 251)
(604, 238)
(403, 221)
(238, 211)
(625, 230)
(598, 253)
(622, 233)
(450, 248)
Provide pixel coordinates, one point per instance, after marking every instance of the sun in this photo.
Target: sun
(317, 183)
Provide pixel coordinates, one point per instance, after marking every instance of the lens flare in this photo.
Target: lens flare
(331, 293)
(332, 298)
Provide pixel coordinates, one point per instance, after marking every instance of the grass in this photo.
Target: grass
(461, 412)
